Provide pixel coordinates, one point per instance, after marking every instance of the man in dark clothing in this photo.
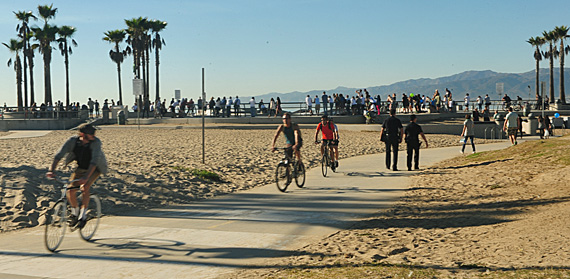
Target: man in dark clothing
(393, 130)
(411, 137)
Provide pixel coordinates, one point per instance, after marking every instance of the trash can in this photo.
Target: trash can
(121, 119)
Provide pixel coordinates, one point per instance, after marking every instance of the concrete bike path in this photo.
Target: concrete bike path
(218, 236)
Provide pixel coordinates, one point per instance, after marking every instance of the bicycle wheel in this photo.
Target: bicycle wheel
(93, 215)
(324, 164)
(300, 177)
(56, 223)
(282, 177)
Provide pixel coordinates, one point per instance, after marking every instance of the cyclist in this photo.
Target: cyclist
(334, 143)
(86, 150)
(327, 131)
(292, 135)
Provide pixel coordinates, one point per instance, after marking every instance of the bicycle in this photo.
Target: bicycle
(57, 217)
(326, 160)
(287, 169)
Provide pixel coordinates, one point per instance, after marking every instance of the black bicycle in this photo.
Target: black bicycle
(57, 217)
(326, 160)
(289, 169)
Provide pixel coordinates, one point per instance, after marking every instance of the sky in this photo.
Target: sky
(253, 47)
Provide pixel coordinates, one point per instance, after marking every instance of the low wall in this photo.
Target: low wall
(38, 124)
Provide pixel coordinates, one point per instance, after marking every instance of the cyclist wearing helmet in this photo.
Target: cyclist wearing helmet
(327, 130)
(86, 150)
(334, 143)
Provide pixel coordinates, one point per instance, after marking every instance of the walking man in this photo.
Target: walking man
(392, 129)
(411, 137)
(511, 125)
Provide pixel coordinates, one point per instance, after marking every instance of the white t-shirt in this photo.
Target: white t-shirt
(512, 119)
(252, 103)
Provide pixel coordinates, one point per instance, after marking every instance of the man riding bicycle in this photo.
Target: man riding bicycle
(86, 150)
(292, 135)
(334, 143)
(327, 131)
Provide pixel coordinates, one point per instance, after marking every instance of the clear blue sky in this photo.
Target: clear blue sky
(255, 47)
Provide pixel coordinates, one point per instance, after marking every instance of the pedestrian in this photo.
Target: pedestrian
(411, 137)
(541, 126)
(309, 104)
(391, 133)
(468, 132)
(325, 101)
(252, 107)
(317, 104)
(511, 125)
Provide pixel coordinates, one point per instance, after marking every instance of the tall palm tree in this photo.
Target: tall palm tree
(537, 42)
(15, 46)
(136, 30)
(561, 33)
(551, 39)
(45, 36)
(157, 42)
(24, 33)
(66, 33)
(117, 55)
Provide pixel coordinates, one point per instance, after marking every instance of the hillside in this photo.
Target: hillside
(474, 82)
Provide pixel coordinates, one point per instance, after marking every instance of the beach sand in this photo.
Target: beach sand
(464, 217)
(151, 167)
(498, 213)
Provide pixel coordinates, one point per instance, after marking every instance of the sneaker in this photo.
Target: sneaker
(72, 220)
(461, 151)
(80, 224)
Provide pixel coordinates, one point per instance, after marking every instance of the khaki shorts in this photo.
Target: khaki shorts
(512, 131)
(78, 173)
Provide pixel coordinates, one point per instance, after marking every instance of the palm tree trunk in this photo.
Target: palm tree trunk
(30, 57)
(157, 62)
(537, 77)
(120, 89)
(47, 77)
(25, 70)
(561, 58)
(66, 75)
(19, 83)
(551, 93)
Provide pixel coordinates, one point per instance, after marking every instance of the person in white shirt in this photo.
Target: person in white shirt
(229, 104)
(467, 99)
(309, 104)
(317, 104)
(511, 125)
(252, 106)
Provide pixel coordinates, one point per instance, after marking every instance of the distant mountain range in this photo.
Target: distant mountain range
(476, 83)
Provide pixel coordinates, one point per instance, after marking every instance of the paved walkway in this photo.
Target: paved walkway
(217, 236)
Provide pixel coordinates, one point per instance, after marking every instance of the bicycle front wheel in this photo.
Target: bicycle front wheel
(282, 177)
(55, 225)
(93, 216)
(324, 164)
(300, 177)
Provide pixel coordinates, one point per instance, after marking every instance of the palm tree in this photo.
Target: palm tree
(15, 46)
(117, 55)
(537, 42)
(136, 30)
(24, 33)
(156, 26)
(65, 33)
(561, 33)
(45, 36)
(551, 39)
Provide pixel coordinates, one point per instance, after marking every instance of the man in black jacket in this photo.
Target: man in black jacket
(411, 137)
(392, 129)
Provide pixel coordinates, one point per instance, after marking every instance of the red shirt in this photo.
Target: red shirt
(326, 131)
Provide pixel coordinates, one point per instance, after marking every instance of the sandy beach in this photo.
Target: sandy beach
(151, 167)
(499, 212)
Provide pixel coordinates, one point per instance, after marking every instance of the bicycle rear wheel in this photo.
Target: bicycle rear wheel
(324, 164)
(300, 177)
(56, 223)
(282, 177)
(92, 215)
